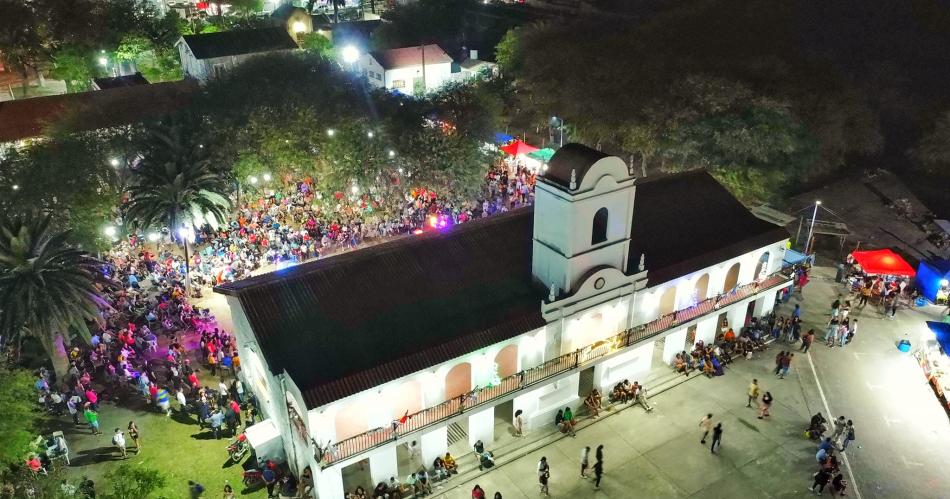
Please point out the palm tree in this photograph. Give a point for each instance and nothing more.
(48, 289)
(174, 184)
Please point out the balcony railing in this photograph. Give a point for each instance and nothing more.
(529, 377)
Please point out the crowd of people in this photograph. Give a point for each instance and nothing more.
(296, 222)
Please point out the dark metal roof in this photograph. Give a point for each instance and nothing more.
(686, 222)
(120, 81)
(26, 118)
(572, 157)
(348, 323)
(411, 56)
(238, 42)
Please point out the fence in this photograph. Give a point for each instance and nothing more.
(535, 375)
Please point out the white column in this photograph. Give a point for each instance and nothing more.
(627, 365)
(329, 482)
(527, 402)
(674, 344)
(434, 444)
(736, 315)
(433, 388)
(382, 463)
(706, 329)
(764, 303)
(481, 426)
(382, 415)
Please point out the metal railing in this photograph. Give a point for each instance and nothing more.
(363, 442)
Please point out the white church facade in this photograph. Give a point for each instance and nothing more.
(503, 313)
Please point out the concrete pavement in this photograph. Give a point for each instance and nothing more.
(903, 435)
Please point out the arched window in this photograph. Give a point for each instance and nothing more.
(598, 233)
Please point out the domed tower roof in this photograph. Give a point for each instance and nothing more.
(569, 165)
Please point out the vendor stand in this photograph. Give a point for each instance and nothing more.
(933, 280)
(881, 268)
(934, 361)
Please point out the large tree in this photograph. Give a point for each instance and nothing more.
(18, 405)
(175, 182)
(48, 288)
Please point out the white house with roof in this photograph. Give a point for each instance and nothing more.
(605, 277)
(404, 69)
(206, 55)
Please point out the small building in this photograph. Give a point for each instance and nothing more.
(207, 55)
(402, 69)
(132, 80)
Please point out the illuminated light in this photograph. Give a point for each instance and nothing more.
(252, 179)
(544, 167)
(109, 231)
(201, 146)
(187, 233)
(818, 203)
(331, 132)
(392, 153)
(350, 54)
(16, 187)
(417, 231)
(400, 170)
(153, 236)
(944, 283)
(369, 134)
(267, 177)
(433, 221)
(319, 196)
(299, 27)
(103, 61)
(355, 189)
(114, 162)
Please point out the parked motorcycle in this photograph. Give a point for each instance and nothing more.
(238, 447)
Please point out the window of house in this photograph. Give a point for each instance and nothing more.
(399, 83)
(217, 70)
(599, 227)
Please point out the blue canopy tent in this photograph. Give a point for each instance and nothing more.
(942, 331)
(793, 257)
(503, 138)
(933, 278)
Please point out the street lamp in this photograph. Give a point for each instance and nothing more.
(369, 134)
(16, 187)
(153, 236)
(114, 162)
(331, 132)
(350, 54)
(355, 189)
(252, 179)
(267, 177)
(392, 154)
(811, 230)
(560, 127)
(109, 231)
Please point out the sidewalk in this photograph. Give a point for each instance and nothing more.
(658, 454)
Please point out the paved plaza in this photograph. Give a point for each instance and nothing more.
(903, 435)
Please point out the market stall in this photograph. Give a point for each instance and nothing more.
(934, 360)
(883, 271)
(933, 280)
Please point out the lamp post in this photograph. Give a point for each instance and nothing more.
(560, 127)
(187, 235)
(811, 229)
(350, 55)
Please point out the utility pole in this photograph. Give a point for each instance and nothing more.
(424, 87)
(811, 230)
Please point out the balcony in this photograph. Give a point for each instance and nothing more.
(530, 378)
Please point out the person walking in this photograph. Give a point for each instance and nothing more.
(92, 417)
(544, 474)
(118, 440)
(598, 473)
(807, 340)
(585, 461)
(765, 405)
(133, 430)
(848, 435)
(72, 404)
(705, 424)
(216, 420)
(778, 361)
(753, 392)
(840, 425)
(519, 423)
(821, 479)
(786, 365)
(717, 438)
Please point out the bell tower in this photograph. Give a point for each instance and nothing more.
(582, 217)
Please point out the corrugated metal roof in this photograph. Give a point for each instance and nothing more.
(351, 322)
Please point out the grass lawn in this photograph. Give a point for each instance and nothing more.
(172, 445)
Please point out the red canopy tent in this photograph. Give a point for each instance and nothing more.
(883, 262)
(518, 147)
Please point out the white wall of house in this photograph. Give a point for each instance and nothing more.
(402, 79)
(206, 69)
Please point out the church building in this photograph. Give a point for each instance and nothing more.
(606, 277)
